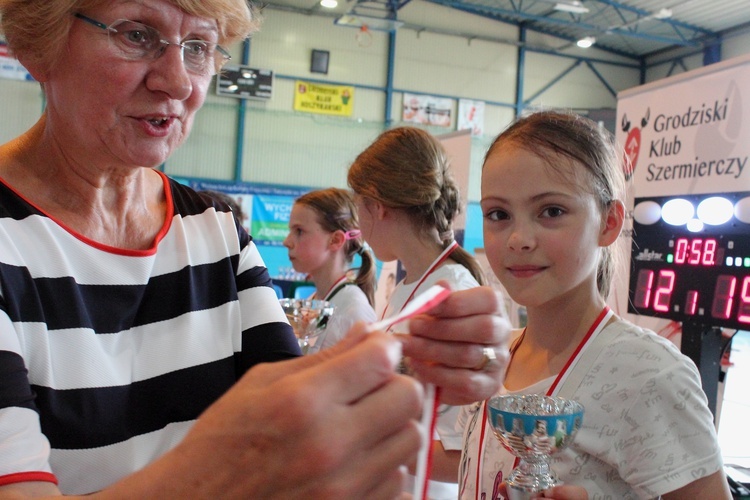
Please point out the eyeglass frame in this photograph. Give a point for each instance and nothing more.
(225, 55)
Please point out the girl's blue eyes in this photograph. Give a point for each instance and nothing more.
(549, 212)
(495, 215)
(553, 212)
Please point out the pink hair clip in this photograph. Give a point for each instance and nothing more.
(354, 233)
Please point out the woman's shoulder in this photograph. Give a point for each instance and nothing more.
(186, 200)
(13, 205)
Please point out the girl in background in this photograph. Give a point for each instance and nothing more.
(551, 201)
(323, 239)
(407, 201)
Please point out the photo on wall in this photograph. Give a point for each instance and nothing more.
(427, 110)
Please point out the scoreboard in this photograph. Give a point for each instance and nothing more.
(697, 268)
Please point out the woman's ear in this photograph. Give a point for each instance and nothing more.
(614, 218)
(33, 66)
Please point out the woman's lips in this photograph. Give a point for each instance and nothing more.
(157, 126)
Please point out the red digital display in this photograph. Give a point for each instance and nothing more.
(724, 292)
(700, 277)
(664, 289)
(695, 252)
(726, 295)
(743, 314)
(643, 288)
(691, 302)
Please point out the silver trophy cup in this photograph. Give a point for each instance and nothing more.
(533, 427)
(308, 318)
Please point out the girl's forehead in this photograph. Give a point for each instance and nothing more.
(303, 213)
(537, 161)
(513, 171)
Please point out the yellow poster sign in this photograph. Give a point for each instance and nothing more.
(323, 99)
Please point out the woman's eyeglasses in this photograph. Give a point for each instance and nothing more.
(135, 41)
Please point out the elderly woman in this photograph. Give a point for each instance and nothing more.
(133, 311)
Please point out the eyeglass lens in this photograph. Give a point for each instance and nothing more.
(136, 41)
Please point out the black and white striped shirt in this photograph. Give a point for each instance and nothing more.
(107, 356)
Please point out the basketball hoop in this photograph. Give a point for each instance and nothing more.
(364, 37)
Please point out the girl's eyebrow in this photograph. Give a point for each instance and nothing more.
(535, 198)
(490, 199)
(552, 194)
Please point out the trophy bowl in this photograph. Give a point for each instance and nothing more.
(308, 318)
(533, 427)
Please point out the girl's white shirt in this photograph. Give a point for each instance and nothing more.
(647, 429)
(350, 306)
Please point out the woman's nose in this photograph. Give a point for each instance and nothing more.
(170, 75)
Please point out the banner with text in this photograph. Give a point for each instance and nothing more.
(335, 100)
(682, 137)
(267, 207)
(687, 134)
(270, 219)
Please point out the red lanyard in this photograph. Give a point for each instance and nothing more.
(595, 328)
(440, 259)
(421, 489)
(329, 295)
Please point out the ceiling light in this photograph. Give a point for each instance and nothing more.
(586, 42)
(329, 4)
(663, 14)
(572, 7)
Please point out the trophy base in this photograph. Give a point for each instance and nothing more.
(524, 488)
(516, 493)
(519, 494)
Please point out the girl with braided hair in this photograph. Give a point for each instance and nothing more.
(407, 201)
(323, 239)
